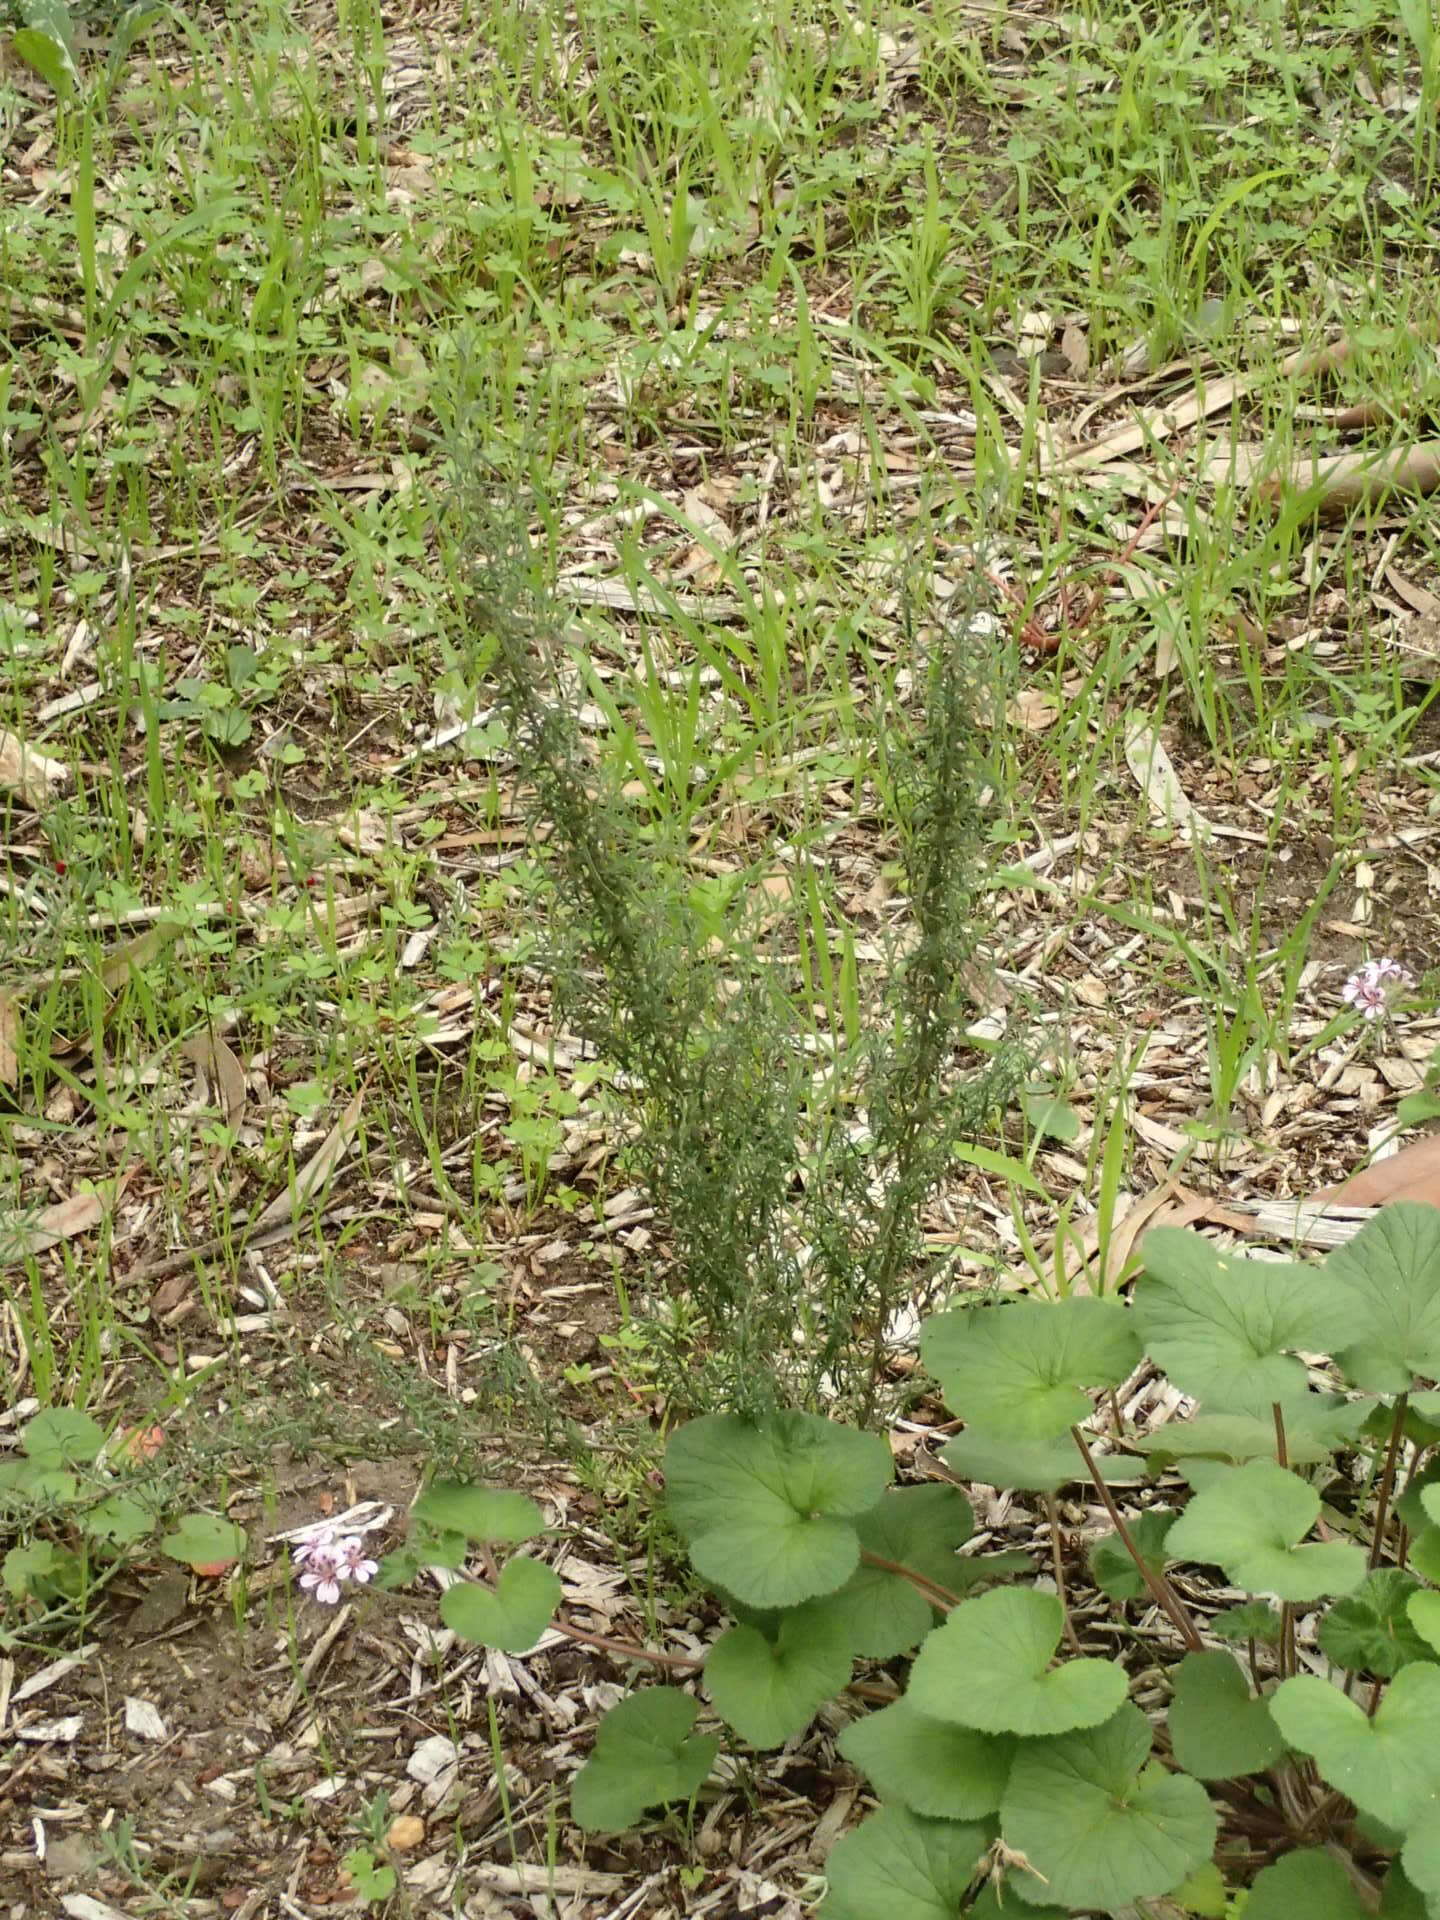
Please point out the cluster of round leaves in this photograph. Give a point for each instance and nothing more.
(1000, 1748)
(74, 1505)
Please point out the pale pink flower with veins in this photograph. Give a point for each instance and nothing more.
(1371, 987)
(329, 1559)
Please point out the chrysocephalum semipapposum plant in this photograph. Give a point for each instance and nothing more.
(1296, 1755)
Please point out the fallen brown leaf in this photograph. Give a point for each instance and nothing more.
(215, 1058)
(1334, 486)
(117, 966)
(1411, 1174)
(22, 1233)
(316, 1171)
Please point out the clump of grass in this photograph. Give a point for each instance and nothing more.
(793, 1168)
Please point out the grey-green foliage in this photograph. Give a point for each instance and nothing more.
(794, 1197)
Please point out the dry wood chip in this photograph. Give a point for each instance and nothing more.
(28, 772)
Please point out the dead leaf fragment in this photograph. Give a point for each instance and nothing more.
(1411, 1174)
(136, 954)
(9, 1040)
(1157, 779)
(317, 1170)
(215, 1058)
(1335, 486)
(31, 774)
(25, 1233)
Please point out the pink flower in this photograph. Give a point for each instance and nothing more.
(353, 1562)
(323, 1571)
(329, 1559)
(1370, 988)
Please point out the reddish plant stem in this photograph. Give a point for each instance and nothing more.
(930, 1590)
(1387, 1478)
(1282, 1450)
(1161, 1591)
(1057, 1564)
(628, 1649)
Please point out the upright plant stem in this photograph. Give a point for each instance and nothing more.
(1163, 1594)
(1387, 1478)
(1057, 1564)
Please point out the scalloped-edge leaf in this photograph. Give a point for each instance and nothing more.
(1311, 1882)
(1388, 1764)
(201, 1540)
(768, 1508)
(1033, 1466)
(1388, 1272)
(1098, 1826)
(903, 1867)
(1226, 1327)
(769, 1690)
(1314, 1428)
(1218, 1731)
(492, 1514)
(1251, 1521)
(62, 1437)
(1112, 1568)
(1028, 1369)
(988, 1667)
(513, 1614)
(645, 1755)
(1399, 1900)
(934, 1767)
(916, 1527)
(1423, 1609)
(1370, 1631)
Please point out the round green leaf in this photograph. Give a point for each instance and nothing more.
(1111, 1566)
(1225, 1327)
(1217, 1730)
(1203, 1892)
(915, 1527)
(769, 1690)
(903, 1867)
(62, 1437)
(645, 1755)
(1370, 1631)
(1387, 1273)
(768, 1508)
(1036, 1466)
(1311, 1882)
(492, 1514)
(512, 1615)
(990, 1905)
(1387, 1765)
(931, 1766)
(1025, 1369)
(1430, 1503)
(202, 1540)
(1423, 1609)
(1410, 1505)
(1399, 1900)
(1098, 1826)
(120, 1519)
(1250, 1521)
(1256, 1620)
(988, 1667)
(1421, 1855)
(1314, 1428)
(1425, 1554)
